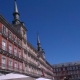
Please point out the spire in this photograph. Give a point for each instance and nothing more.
(38, 40)
(15, 7)
(39, 49)
(38, 43)
(16, 14)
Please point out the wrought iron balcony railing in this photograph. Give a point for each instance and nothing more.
(10, 37)
(10, 52)
(30, 61)
(6, 67)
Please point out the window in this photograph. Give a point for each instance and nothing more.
(10, 49)
(29, 56)
(3, 62)
(70, 72)
(15, 65)
(77, 72)
(15, 51)
(64, 73)
(70, 68)
(73, 76)
(15, 38)
(64, 69)
(19, 41)
(10, 34)
(3, 44)
(5, 30)
(54, 70)
(19, 54)
(10, 63)
(76, 76)
(59, 69)
(29, 68)
(20, 66)
(67, 68)
(74, 68)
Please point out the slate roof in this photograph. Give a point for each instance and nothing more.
(66, 64)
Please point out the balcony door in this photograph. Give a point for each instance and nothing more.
(10, 49)
(4, 45)
(15, 51)
(15, 66)
(10, 64)
(3, 62)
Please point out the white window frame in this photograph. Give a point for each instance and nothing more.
(10, 34)
(64, 69)
(10, 63)
(4, 63)
(15, 65)
(20, 66)
(19, 54)
(4, 29)
(15, 51)
(4, 44)
(15, 38)
(10, 48)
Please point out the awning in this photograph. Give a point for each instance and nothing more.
(12, 76)
(42, 79)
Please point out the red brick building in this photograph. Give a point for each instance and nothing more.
(11, 55)
(69, 70)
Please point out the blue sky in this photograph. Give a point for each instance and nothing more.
(58, 24)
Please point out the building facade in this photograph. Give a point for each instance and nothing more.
(17, 54)
(69, 70)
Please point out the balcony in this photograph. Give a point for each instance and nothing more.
(30, 62)
(8, 68)
(15, 42)
(4, 33)
(48, 73)
(10, 38)
(30, 73)
(19, 44)
(10, 53)
(3, 66)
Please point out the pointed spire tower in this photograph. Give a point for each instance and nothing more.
(16, 14)
(38, 43)
(39, 49)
